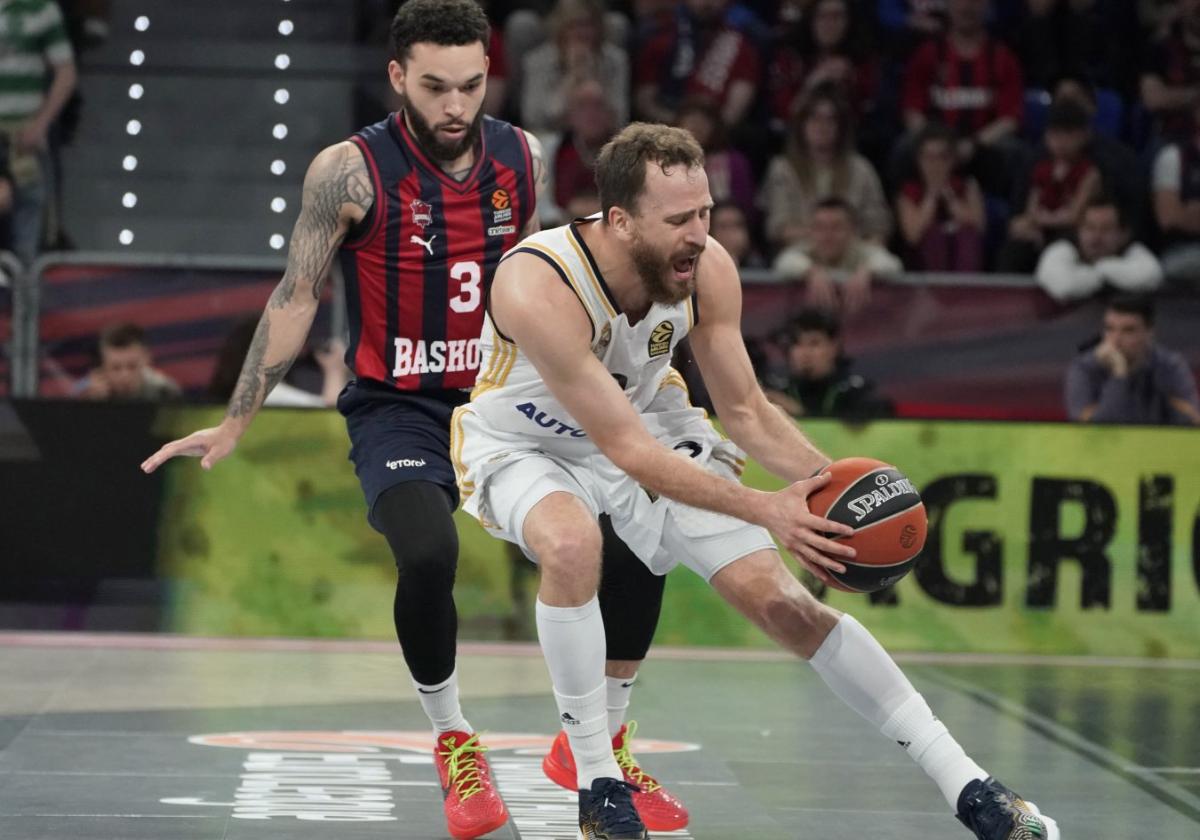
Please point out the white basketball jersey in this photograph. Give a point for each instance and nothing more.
(510, 396)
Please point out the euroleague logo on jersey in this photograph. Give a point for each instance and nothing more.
(502, 206)
(660, 339)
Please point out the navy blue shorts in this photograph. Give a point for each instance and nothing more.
(398, 436)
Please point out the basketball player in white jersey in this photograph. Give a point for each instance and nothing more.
(577, 412)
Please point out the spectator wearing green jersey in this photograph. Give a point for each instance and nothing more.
(33, 47)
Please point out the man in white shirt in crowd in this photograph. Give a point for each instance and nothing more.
(1103, 254)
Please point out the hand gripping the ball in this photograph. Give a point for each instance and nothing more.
(805, 534)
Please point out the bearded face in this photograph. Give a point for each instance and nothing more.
(668, 277)
(460, 137)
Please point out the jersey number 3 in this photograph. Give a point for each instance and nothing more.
(470, 286)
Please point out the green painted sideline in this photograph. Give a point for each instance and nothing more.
(274, 541)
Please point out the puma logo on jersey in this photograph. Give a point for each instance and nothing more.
(427, 245)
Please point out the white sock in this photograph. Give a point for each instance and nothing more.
(860, 672)
(573, 643)
(619, 689)
(440, 703)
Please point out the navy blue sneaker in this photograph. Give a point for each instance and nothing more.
(606, 812)
(994, 812)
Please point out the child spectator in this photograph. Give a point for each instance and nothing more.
(941, 213)
(730, 177)
(820, 162)
(820, 379)
(1062, 184)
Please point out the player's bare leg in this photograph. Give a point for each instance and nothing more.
(859, 671)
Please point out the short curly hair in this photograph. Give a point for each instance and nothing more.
(621, 164)
(447, 23)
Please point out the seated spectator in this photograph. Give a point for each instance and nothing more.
(820, 162)
(1170, 83)
(328, 357)
(972, 83)
(706, 52)
(590, 123)
(575, 51)
(125, 371)
(820, 380)
(825, 48)
(1104, 256)
(727, 224)
(836, 258)
(1062, 184)
(1176, 185)
(941, 214)
(1126, 377)
(729, 175)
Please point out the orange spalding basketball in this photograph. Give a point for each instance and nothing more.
(886, 513)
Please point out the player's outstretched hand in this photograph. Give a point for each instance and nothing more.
(209, 445)
(803, 533)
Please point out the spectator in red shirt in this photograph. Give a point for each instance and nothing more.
(1062, 184)
(941, 213)
(699, 54)
(972, 83)
(1171, 79)
(824, 46)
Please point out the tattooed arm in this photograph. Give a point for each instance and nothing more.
(541, 177)
(337, 194)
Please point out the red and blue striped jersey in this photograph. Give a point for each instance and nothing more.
(418, 267)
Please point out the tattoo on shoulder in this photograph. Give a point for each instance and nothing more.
(337, 180)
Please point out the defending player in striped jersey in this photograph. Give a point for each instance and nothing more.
(577, 413)
(420, 207)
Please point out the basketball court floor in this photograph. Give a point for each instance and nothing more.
(168, 738)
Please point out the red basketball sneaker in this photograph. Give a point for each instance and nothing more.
(473, 807)
(659, 809)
